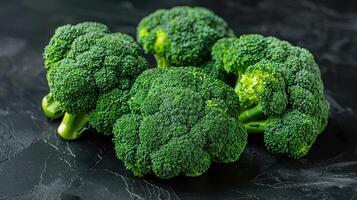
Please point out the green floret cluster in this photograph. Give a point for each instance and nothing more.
(181, 36)
(181, 120)
(210, 90)
(90, 72)
(280, 91)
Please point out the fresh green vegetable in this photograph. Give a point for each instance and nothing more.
(181, 36)
(90, 72)
(280, 91)
(181, 120)
(51, 108)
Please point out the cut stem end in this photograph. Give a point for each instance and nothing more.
(51, 108)
(72, 126)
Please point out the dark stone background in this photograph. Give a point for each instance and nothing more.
(36, 164)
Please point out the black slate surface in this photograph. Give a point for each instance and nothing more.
(36, 164)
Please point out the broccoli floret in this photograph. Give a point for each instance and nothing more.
(181, 121)
(235, 55)
(280, 90)
(73, 87)
(261, 92)
(109, 108)
(181, 36)
(293, 134)
(90, 72)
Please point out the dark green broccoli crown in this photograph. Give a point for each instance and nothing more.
(74, 88)
(181, 36)
(293, 134)
(61, 42)
(85, 61)
(300, 90)
(109, 108)
(181, 121)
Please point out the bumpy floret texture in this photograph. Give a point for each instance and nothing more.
(109, 108)
(280, 81)
(181, 36)
(262, 85)
(181, 120)
(86, 61)
(292, 134)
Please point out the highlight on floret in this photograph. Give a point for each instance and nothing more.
(181, 36)
(280, 91)
(90, 72)
(181, 121)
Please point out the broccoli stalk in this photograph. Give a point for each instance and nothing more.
(254, 119)
(256, 126)
(161, 42)
(239, 73)
(72, 126)
(51, 108)
(251, 113)
(161, 61)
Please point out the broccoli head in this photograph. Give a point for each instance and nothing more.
(90, 72)
(280, 90)
(181, 121)
(181, 36)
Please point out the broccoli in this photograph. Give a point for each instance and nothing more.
(279, 88)
(181, 36)
(51, 108)
(90, 72)
(181, 120)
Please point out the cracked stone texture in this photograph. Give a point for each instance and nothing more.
(36, 164)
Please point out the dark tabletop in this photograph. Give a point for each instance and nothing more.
(36, 164)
